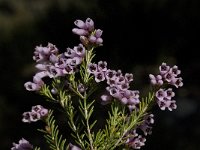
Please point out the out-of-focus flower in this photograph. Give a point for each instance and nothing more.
(37, 112)
(22, 145)
(73, 147)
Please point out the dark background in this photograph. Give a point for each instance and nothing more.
(138, 36)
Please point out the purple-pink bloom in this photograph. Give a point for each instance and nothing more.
(98, 33)
(70, 53)
(26, 117)
(40, 110)
(169, 77)
(124, 100)
(54, 91)
(81, 32)
(106, 98)
(22, 145)
(37, 78)
(99, 76)
(73, 147)
(164, 99)
(53, 58)
(129, 77)
(30, 86)
(92, 68)
(34, 116)
(146, 129)
(123, 86)
(131, 107)
(92, 39)
(131, 96)
(80, 24)
(118, 73)
(161, 94)
(89, 24)
(42, 54)
(149, 119)
(146, 126)
(43, 112)
(37, 112)
(169, 104)
(68, 69)
(156, 80)
(136, 142)
(37, 82)
(111, 82)
(175, 70)
(36, 108)
(55, 72)
(61, 63)
(177, 82)
(88, 35)
(80, 50)
(110, 74)
(118, 84)
(41, 67)
(99, 41)
(114, 92)
(164, 68)
(102, 66)
(120, 80)
(81, 88)
(169, 93)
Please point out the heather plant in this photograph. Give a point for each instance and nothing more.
(71, 79)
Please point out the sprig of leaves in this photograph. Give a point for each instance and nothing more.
(136, 118)
(71, 112)
(114, 127)
(51, 134)
(45, 91)
(86, 110)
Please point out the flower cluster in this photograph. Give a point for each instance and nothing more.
(89, 36)
(135, 140)
(72, 76)
(23, 145)
(146, 125)
(37, 112)
(51, 64)
(164, 99)
(167, 76)
(118, 84)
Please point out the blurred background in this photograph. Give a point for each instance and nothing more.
(138, 37)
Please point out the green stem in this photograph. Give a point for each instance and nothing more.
(77, 92)
(88, 59)
(74, 128)
(52, 133)
(66, 103)
(87, 124)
